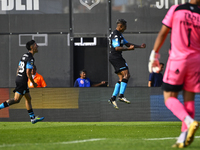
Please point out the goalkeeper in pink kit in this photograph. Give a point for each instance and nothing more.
(183, 65)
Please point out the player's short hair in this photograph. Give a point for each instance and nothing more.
(121, 21)
(29, 44)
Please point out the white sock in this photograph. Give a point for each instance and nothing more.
(188, 120)
(181, 137)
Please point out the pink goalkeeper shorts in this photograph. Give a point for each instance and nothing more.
(184, 72)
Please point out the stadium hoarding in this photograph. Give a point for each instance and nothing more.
(91, 105)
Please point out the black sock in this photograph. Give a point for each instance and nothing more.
(6, 104)
(121, 95)
(31, 113)
(113, 98)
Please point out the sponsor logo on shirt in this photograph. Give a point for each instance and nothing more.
(177, 71)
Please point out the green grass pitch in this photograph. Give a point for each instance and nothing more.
(91, 136)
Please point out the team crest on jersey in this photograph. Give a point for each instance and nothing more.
(31, 61)
(89, 3)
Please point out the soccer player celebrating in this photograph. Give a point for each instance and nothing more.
(23, 74)
(183, 69)
(116, 42)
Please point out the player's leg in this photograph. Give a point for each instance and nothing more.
(112, 100)
(173, 83)
(189, 106)
(125, 77)
(10, 102)
(191, 86)
(178, 109)
(117, 87)
(29, 105)
(19, 92)
(173, 104)
(189, 127)
(116, 91)
(116, 63)
(30, 110)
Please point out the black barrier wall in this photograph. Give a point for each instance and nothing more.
(55, 24)
(91, 104)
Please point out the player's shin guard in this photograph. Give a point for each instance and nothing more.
(190, 108)
(123, 86)
(117, 88)
(176, 108)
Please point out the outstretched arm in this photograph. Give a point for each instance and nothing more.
(131, 47)
(136, 46)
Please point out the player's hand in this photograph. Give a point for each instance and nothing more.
(131, 47)
(35, 85)
(154, 61)
(143, 45)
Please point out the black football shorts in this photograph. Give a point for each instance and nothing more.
(21, 88)
(119, 64)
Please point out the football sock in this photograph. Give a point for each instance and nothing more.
(176, 108)
(181, 137)
(116, 90)
(123, 87)
(188, 120)
(4, 105)
(113, 98)
(31, 113)
(190, 108)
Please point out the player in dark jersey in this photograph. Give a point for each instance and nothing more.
(116, 42)
(23, 74)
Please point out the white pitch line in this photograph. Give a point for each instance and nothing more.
(157, 139)
(79, 141)
(167, 138)
(69, 142)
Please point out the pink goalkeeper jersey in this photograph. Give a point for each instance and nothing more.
(184, 20)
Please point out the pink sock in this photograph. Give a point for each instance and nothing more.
(189, 107)
(176, 108)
